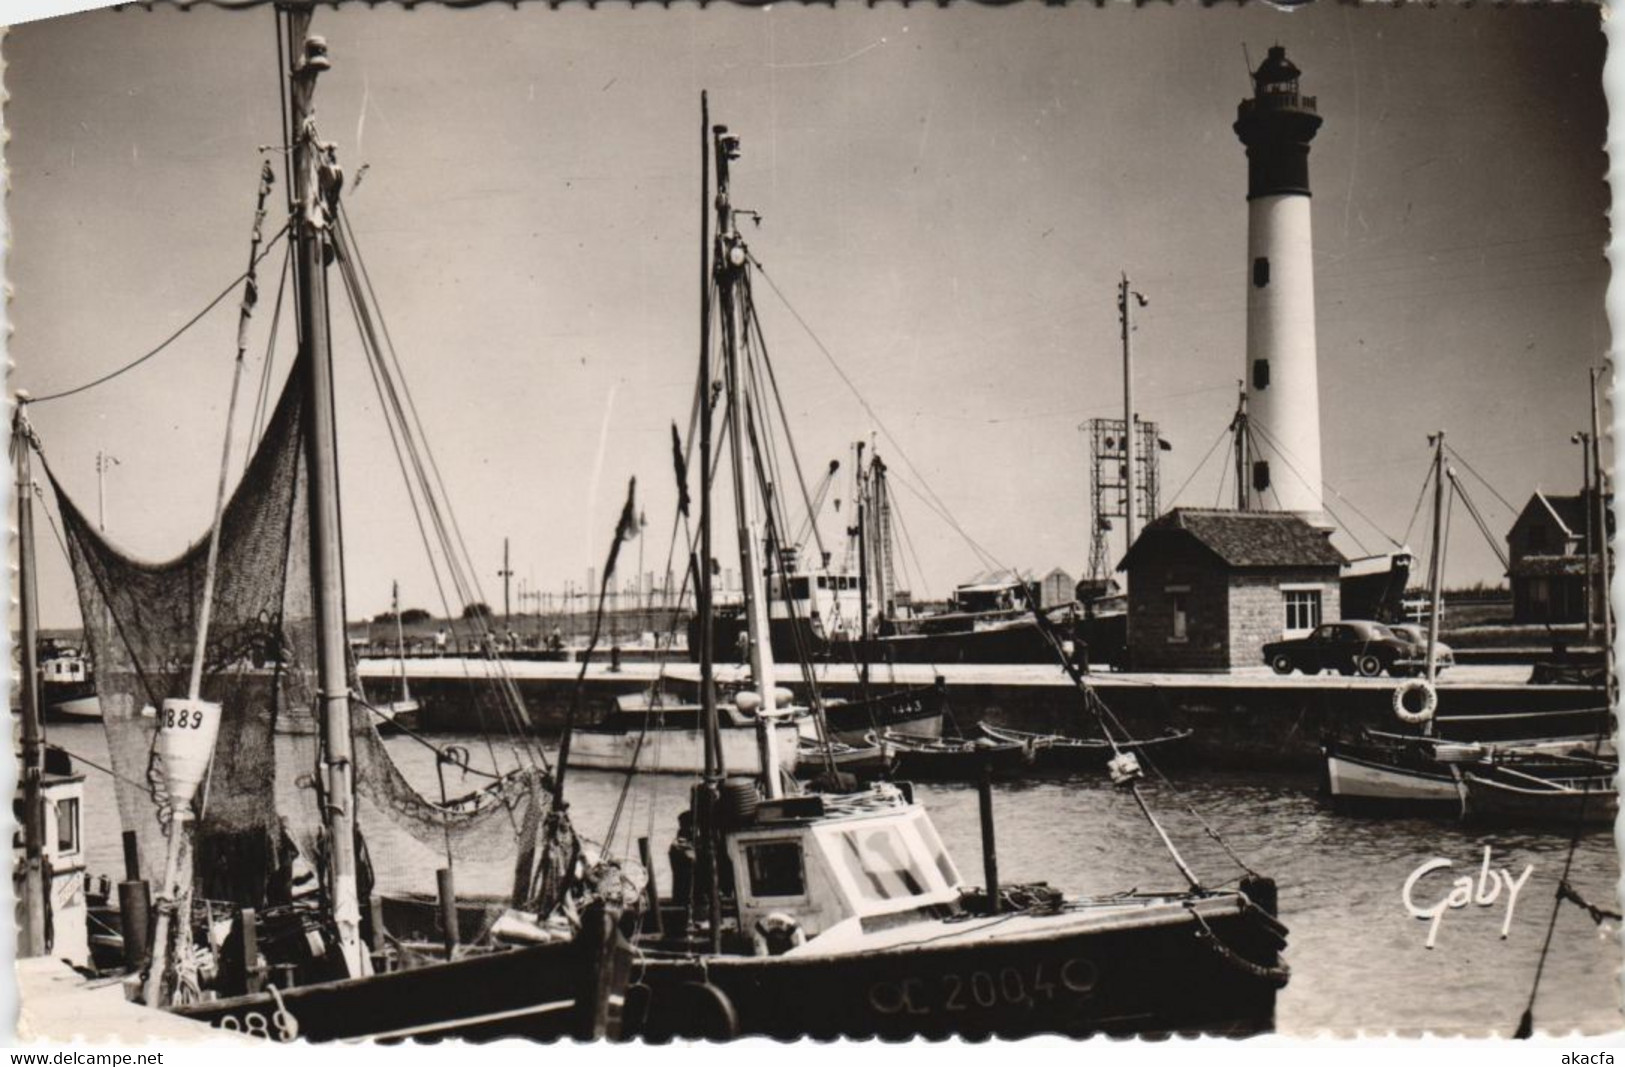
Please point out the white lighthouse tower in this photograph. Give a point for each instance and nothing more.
(1283, 393)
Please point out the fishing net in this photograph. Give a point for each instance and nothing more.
(262, 798)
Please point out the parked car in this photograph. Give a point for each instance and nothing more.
(1418, 635)
(1347, 647)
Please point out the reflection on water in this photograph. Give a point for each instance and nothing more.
(1357, 956)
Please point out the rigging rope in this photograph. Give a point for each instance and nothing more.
(166, 342)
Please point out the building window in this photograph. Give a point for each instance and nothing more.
(67, 826)
(1302, 609)
(1181, 605)
(1261, 272)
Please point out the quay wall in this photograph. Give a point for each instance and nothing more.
(1256, 723)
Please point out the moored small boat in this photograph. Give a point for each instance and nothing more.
(1507, 793)
(1060, 751)
(953, 759)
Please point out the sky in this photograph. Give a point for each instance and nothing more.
(948, 197)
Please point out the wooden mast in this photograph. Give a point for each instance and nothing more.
(1436, 577)
(313, 244)
(1601, 543)
(730, 265)
(31, 932)
(705, 841)
(863, 574)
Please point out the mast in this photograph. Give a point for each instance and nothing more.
(863, 573)
(1601, 544)
(1128, 411)
(400, 636)
(315, 192)
(730, 265)
(1239, 426)
(1436, 578)
(705, 843)
(31, 932)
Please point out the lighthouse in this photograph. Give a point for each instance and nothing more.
(1283, 395)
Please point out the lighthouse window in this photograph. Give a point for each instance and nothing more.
(1261, 475)
(1261, 272)
(1261, 374)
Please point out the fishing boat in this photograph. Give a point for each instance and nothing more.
(67, 685)
(947, 759)
(1389, 772)
(656, 733)
(841, 914)
(1060, 751)
(261, 918)
(1515, 792)
(863, 762)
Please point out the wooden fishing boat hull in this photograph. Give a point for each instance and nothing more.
(674, 749)
(1592, 801)
(1056, 752)
(915, 712)
(537, 992)
(1375, 781)
(1136, 968)
(865, 762)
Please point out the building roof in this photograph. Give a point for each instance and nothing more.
(1568, 511)
(1241, 539)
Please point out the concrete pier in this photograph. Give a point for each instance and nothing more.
(1252, 719)
(59, 1005)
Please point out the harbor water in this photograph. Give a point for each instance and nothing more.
(1359, 959)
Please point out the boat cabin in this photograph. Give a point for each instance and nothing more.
(64, 856)
(830, 601)
(65, 668)
(824, 869)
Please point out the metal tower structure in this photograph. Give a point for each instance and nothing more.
(1108, 482)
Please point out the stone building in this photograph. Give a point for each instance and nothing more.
(1208, 588)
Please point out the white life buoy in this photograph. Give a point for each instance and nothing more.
(1430, 701)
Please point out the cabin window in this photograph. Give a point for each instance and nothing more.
(1302, 609)
(823, 582)
(880, 864)
(799, 588)
(776, 869)
(67, 826)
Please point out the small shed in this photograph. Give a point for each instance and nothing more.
(1208, 588)
(1057, 589)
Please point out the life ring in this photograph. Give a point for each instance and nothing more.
(1430, 701)
(776, 934)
